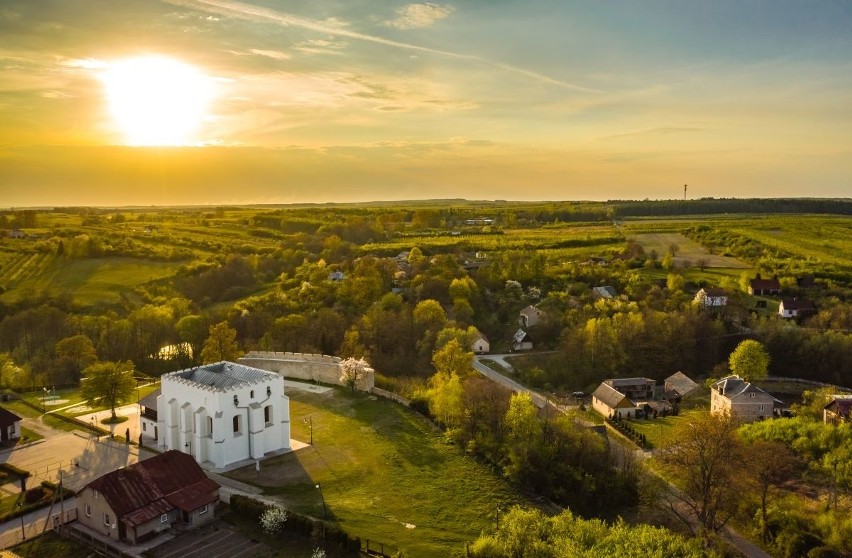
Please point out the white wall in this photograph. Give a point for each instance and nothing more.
(186, 410)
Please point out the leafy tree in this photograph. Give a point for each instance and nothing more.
(352, 346)
(769, 465)
(76, 353)
(525, 533)
(352, 370)
(453, 358)
(108, 383)
(221, 344)
(445, 398)
(523, 436)
(193, 329)
(750, 360)
(707, 465)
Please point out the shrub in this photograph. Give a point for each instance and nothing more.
(33, 495)
(272, 520)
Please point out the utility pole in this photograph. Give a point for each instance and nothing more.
(684, 192)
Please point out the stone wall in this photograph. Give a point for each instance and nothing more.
(303, 366)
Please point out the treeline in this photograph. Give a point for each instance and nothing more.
(714, 206)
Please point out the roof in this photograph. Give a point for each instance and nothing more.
(222, 376)
(7, 417)
(714, 291)
(519, 336)
(732, 386)
(797, 304)
(681, 383)
(629, 382)
(530, 311)
(605, 292)
(610, 396)
(765, 284)
(152, 487)
(842, 405)
(150, 400)
(479, 335)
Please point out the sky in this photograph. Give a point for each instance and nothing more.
(116, 102)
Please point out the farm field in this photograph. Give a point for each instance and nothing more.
(689, 253)
(386, 475)
(89, 281)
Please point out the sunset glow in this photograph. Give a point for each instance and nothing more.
(156, 100)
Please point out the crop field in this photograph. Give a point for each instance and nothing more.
(386, 475)
(688, 253)
(89, 281)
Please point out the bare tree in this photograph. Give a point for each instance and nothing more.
(706, 464)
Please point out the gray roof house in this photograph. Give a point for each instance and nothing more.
(679, 385)
(742, 399)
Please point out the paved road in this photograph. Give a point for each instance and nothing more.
(539, 400)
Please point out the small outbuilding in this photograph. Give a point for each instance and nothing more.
(480, 344)
(10, 426)
(679, 385)
(838, 410)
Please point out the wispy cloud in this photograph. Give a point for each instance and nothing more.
(661, 131)
(414, 16)
(338, 28)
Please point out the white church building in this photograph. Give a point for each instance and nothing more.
(223, 413)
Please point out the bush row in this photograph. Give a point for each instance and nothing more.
(298, 523)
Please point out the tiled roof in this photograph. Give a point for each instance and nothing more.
(681, 383)
(765, 284)
(150, 400)
(223, 375)
(796, 304)
(152, 487)
(610, 396)
(731, 386)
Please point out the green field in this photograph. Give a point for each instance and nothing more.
(386, 475)
(688, 253)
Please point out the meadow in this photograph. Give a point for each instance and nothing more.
(386, 475)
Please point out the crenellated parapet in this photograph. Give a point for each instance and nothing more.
(304, 366)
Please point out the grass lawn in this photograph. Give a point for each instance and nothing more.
(51, 544)
(688, 252)
(23, 410)
(661, 428)
(385, 473)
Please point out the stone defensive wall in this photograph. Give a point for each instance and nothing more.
(303, 366)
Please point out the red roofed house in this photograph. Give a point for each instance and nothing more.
(794, 308)
(135, 503)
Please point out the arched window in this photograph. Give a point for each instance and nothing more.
(267, 415)
(237, 425)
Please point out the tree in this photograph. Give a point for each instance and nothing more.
(352, 370)
(523, 436)
(706, 464)
(193, 329)
(452, 358)
(770, 464)
(76, 353)
(221, 344)
(750, 360)
(108, 383)
(445, 398)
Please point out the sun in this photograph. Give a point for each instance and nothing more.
(157, 100)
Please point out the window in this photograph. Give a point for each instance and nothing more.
(210, 426)
(752, 394)
(106, 519)
(203, 510)
(761, 408)
(251, 394)
(267, 415)
(88, 510)
(144, 427)
(164, 518)
(236, 424)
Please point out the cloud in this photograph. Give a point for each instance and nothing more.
(274, 54)
(336, 28)
(414, 16)
(661, 131)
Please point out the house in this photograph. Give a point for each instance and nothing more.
(336, 276)
(678, 385)
(480, 344)
(763, 287)
(16, 233)
(711, 297)
(521, 341)
(741, 399)
(223, 413)
(610, 402)
(838, 410)
(529, 316)
(148, 430)
(637, 389)
(135, 503)
(10, 426)
(795, 308)
(604, 292)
